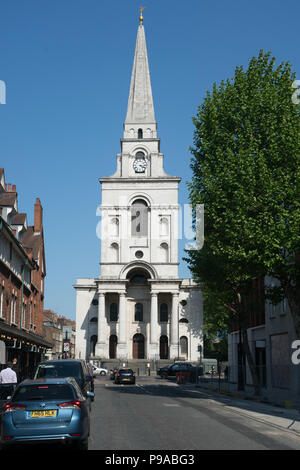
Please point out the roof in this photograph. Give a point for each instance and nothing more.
(62, 380)
(8, 199)
(32, 241)
(18, 219)
(140, 103)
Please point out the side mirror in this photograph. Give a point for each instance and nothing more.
(90, 395)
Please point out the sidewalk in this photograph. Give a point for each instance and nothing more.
(254, 408)
(278, 399)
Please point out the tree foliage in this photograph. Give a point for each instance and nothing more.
(246, 172)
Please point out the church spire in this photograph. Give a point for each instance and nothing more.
(140, 108)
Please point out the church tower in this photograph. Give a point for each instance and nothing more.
(138, 308)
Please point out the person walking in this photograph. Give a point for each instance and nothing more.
(8, 381)
(16, 368)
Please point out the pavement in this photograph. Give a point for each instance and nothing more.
(274, 414)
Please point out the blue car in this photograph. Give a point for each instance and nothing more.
(46, 410)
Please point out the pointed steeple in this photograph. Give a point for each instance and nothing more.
(140, 108)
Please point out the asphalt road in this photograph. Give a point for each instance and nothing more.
(156, 414)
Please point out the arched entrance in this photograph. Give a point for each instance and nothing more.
(184, 346)
(113, 341)
(93, 342)
(138, 347)
(163, 347)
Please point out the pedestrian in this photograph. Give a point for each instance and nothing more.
(8, 381)
(16, 368)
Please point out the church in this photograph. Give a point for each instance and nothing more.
(139, 308)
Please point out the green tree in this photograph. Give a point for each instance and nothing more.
(246, 172)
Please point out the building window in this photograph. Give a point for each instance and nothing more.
(139, 218)
(115, 253)
(114, 227)
(138, 312)
(140, 133)
(113, 312)
(163, 313)
(164, 252)
(1, 301)
(164, 227)
(183, 345)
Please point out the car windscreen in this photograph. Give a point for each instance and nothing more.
(43, 392)
(59, 370)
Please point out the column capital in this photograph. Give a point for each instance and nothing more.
(154, 294)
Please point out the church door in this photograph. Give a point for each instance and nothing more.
(138, 347)
(163, 347)
(113, 341)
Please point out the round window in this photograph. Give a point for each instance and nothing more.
(139, 254)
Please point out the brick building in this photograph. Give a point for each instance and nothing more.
(57, 330)
(22, 274)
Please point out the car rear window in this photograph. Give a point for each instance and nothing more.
(59, 370)
(43, 392)
(126, 371)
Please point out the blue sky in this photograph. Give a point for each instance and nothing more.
(67, 67)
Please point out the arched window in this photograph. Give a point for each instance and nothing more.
(183, 346)
(139, 218)
(114, 227)
(164, 227)
(113, 312)
(140, 133)
(164, 252)
(163, 313)
(115, 252)
(138, 312)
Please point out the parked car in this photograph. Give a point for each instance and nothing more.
(125, 376)
(76, 368)
(46, 410)
(171, 369)
(113, 373)
(99, 370)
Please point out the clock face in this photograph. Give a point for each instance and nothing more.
(139, 165)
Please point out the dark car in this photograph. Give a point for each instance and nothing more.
(76, 368)
(125, 376)
(46, 410)
(171, 369)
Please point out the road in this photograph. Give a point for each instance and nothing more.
(156, 414)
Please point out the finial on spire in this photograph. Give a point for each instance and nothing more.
(141, 14)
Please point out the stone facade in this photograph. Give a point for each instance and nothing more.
(139, 308)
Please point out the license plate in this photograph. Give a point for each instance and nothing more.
(126, 379)
(42, 414)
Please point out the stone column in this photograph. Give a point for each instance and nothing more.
(153, 344)
(101, 346)
(174, 350)
(122, 342)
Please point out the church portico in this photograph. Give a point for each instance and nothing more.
(143, 310)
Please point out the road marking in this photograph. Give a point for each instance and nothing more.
(171, 404)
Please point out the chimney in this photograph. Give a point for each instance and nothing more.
(14, 188)
(5, 186)
(38, 216)
(9, 188)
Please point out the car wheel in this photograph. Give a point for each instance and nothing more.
(102, 372)
(164, 375)
(82, 444)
